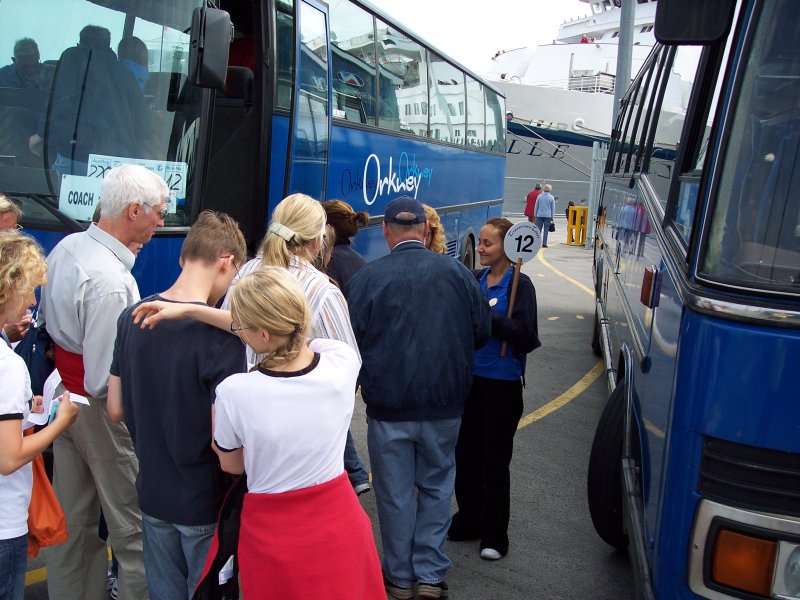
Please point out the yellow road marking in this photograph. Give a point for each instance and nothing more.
(36, 576)
(540, 258)
(577, 389)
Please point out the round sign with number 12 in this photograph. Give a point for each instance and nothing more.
(522, 241)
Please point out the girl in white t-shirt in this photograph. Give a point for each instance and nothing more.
(303, 531)
(22, 270)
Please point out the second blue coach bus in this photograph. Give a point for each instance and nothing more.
(695, 464)
(335, 100)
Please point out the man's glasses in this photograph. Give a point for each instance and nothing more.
(161, 212)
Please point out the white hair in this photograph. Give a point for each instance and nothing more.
(126, 184)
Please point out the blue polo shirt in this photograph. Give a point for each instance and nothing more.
(487, 359)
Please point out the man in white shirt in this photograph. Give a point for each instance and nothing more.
(89, 285)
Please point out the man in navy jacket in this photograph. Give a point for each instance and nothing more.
(417, 316)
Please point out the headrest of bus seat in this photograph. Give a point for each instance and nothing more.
(239, 84)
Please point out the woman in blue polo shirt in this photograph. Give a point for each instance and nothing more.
(494, 406)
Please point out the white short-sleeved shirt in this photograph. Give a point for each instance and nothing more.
(292, 425)
(15, 489)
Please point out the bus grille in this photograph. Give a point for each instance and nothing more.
(749, 477)
(451, 247)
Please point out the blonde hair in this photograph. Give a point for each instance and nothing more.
(547, 187)
(437, 242)
(7, 205)
(22, 268)
(296, 222)
(270, 298)
(325, 251)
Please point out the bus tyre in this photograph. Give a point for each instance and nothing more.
(604, 481)
(596, 348)
(468, 255)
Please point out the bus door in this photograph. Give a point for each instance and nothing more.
(310, 126)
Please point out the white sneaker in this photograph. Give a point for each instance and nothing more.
(490, 554)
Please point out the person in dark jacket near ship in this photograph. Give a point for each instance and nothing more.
(345, 262)
(417, 316)
(494, 406)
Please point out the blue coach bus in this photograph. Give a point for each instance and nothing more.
(334, 100)
(695, 464)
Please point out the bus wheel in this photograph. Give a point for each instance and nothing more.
(468, 256)
(596, 348)
(604, 481)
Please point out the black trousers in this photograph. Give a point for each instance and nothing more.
(483, 455)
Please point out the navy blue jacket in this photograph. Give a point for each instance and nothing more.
(417, 316)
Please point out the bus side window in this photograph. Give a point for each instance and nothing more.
(669, 123)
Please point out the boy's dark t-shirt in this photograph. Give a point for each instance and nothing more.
(169, 375)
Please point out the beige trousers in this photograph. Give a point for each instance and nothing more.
(95, 467)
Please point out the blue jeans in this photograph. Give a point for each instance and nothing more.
(13, 563)
(544, 227)
(174, 556)
(407, 455)
(356, 472)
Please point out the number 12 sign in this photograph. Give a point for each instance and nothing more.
(522, 241)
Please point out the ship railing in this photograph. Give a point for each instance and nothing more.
(602, 83)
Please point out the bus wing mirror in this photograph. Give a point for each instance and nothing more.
(209, 46)
(692, 22)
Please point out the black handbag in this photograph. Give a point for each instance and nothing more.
(33, 348)
(552, 226)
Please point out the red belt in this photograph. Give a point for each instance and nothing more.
(70, 367)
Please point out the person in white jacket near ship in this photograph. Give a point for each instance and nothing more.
(545, 211)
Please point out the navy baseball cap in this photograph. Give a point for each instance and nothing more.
(404, 211)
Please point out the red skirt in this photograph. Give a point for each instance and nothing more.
(311, 543)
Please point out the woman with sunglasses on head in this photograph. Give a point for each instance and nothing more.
(22, 270)
(494, 406)
(303, 532)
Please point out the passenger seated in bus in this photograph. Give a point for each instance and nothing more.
(132, 55)
(21, 101)
(97, 107)
(23, 72)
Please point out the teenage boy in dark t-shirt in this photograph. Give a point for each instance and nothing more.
(163, 382)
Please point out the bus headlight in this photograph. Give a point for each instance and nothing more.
(787, 578)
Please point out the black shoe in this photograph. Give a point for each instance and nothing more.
(545, 246)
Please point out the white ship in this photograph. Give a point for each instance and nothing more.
(559, 99)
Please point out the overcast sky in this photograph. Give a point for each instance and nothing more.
(471, 32)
